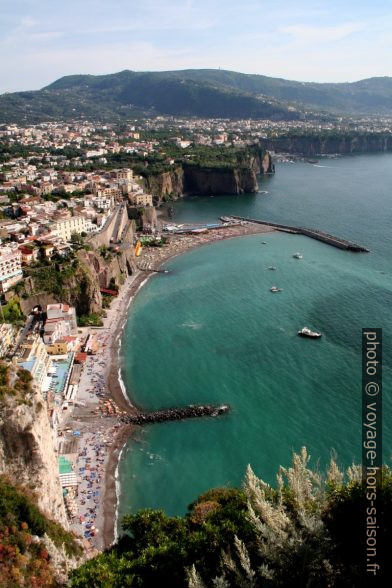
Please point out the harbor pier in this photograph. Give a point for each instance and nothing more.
(312, 233)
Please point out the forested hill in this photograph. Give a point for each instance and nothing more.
(127, 93)
(202, 93)
(371, 96)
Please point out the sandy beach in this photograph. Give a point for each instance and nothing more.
(100, 398)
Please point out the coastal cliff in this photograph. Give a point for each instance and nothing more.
(167, 185)
(211, 177)
(217, 181)
(27, 452)
(78, 284)
(339, 143)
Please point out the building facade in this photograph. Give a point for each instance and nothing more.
(140, 199)
(60, 322)
(35, 359)
(65, 227)
(10, 267)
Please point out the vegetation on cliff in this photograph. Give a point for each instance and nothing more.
(67, 279)
(14, 383)
(315, 142)
(307, 531)
(90, 320)
(169, 172)
(169, 155)
(221, 157)
(25, 559)
(12, 313)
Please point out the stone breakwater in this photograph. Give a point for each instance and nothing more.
(175, 414)
(312, 233)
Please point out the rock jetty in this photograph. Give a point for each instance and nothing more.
(176, 414)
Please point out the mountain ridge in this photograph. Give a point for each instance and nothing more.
(205, 93)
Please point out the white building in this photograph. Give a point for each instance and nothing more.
(103, 202)
(61, 322)
(64, 227)
(10, 267)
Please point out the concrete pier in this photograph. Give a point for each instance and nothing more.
(312, 233)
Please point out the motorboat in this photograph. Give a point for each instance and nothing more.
(298, 256)
(305, 332)
(276, 289)
(271, 267)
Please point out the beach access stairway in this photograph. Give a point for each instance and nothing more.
(312, 233)
(175, 414)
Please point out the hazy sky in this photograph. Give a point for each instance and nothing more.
(307, 40)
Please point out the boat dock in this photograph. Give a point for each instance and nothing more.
(312, 233)
(186, 228)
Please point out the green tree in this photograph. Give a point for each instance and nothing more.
(298, 533)
(12, 313)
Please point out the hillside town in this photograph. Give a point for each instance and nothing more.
(64, 204)
(60, 180)
(76, 194)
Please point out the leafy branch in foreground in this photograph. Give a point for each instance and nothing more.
(305, 531)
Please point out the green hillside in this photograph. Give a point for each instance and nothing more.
(126, 93)
(202, 93)
(373, 95)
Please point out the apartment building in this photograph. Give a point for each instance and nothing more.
(64, 227)
(35, 359)
(10, 268)
(124, 174)
(140, 199)
(60, 323)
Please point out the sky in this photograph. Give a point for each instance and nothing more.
(304, 40)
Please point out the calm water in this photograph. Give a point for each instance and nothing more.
(211, 331)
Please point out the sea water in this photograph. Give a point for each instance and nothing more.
(212, 332)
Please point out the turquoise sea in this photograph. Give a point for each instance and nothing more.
(211, 331)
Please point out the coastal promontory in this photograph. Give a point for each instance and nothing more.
(210, 172)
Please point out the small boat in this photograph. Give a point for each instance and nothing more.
(305, 332)
(264, 242)
(271, 267)
(276, 289)
(298, 256)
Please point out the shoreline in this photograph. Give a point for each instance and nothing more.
(113, 328)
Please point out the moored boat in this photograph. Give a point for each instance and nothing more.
(306, 332)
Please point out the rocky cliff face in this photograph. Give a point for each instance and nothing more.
(341, 144)
(211, 180)
(82, 289)
(116, 267)
(27, 453)
(216, 181)
(166, 186)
